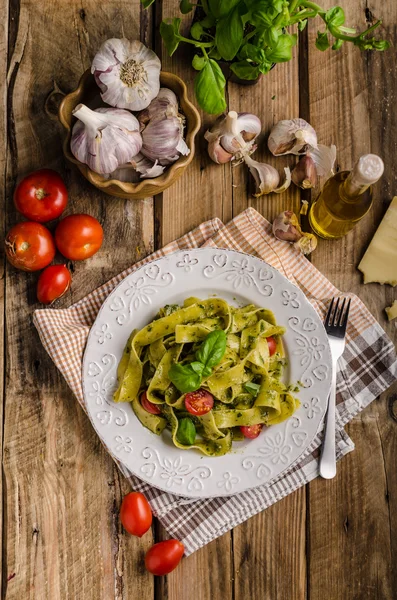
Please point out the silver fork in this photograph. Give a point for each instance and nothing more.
(335, 326)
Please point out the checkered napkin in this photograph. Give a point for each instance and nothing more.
(368, 367)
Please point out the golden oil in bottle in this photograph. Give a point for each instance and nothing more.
(345, 198)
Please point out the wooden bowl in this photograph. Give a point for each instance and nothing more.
(88, 93)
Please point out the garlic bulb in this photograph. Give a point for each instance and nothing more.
(291, 137)
(267, 178)
(105, 138)
(304, 174)
(163, 139)
(286, 228)
(232, 136)
(127, 73)
(164, 105)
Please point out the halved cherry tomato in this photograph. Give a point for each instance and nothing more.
(53, 283)
(164, 557)
(272, 344)
(136, 514)
(150, 407)
(251, 431)
(29, 246)
(199, 403)
(78, 236)
(41, 196)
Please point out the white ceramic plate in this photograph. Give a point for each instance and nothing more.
(239, 279)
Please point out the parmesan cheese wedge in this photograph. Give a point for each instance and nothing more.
(391, 311)
(379, 263)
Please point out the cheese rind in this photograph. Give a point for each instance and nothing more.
(379, 263)
(391, 311)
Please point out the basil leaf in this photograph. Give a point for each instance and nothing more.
(251, 52)
(283, 50)
(245, 70)
(170, 34)
(252, 388)
(221, 8)
(322, 42)
(337, 44)
(198, 62)
(206, 371)
(185, 6)
(196, 31)
(335, 16)
(186, 433)
(147, 3)
(229, 35)
(184, 378)
(263, 17)
(209, 88)
(271, 37)
(212, 349)
(197, 367)
(302, 24)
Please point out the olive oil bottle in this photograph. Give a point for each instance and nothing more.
(345, 198)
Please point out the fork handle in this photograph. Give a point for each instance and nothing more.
(328, 454)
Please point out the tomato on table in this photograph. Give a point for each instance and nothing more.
(272, 344)
(199, 403)
(41, 196)
(150, 407)
(164, 557)
(29, 246)
(136, 514)
(78, 236)
(251, 431)
(53, 283)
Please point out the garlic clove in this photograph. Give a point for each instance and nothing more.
(163, 140)
(164, 105)
(324, 158)
(291, 136)
(304, 174)
(286, 183)
(217, 153)
(105, 138)
(267, 177)
(307, 243)
(235, 134)
(127, 73)
(286, 228)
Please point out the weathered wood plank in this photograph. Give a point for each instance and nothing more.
(63, 538)
(352, 517)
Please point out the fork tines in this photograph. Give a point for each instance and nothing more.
(336, 319)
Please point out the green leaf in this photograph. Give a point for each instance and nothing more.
(283, 50)
(184, 378)
(209, 88)
(252, 388)
(197, 367)
(264, 16)
(337, 44)
(170, 34)
(185, 6)
(196, 31)
(208, 21)
(335, 16)
(229, 35)
(221, 8)
(302, 24)
(212, 349)
(186, 433)
(147, 3)
(198, 62)
(251, 52)
(322, 42)
(245, 70)
(215, 54)
(271, 37)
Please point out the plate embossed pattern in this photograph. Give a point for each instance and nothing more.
(240, 279)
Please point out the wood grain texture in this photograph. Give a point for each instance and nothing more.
(62, 492)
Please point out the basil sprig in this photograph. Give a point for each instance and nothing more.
(186, 433)
(187, 378)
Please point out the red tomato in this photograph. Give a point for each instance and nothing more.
(53, 283)
(164, 557)
(149, 406)
(78, 236)
(41, 196)
(135, 514)
(199, 403)
(251, 431)
(29, 246)
(271, 342)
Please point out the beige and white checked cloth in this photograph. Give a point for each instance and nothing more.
(368, 367)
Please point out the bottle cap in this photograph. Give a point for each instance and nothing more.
(368, 170)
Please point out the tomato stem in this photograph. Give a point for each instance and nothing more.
(40, 194)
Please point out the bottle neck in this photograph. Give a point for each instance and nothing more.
(367, 171)
(351, 188)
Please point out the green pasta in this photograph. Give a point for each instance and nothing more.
(219, 350)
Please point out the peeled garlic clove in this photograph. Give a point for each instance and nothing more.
(291, 136)
(127, 73)
(324, 158)
(304, 174)
(235, 133)
(266, 177)
(105, 138)
(286, 228)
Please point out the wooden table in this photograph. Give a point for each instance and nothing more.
(62, 539)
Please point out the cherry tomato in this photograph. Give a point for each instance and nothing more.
(29, 246)
(53, 283)
(149, 406)
(272, 344)
(199, 403)
(135, 514)
(251, 431)
(164, 557)
(41, 196)
(78, 236)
